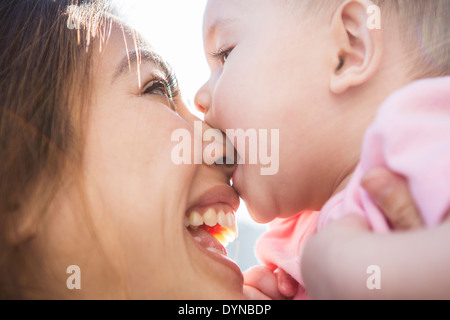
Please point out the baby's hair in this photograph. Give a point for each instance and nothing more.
(423, 27)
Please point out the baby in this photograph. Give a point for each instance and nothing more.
(318, 71)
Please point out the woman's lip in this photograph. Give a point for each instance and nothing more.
(218, 257)
(207, 241)
(219, 194)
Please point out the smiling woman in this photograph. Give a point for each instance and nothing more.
(175, 29)
(86, 117)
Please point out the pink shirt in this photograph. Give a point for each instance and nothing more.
(411, 137)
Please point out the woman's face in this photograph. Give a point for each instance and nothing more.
(138, 200)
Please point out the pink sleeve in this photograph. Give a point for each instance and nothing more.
(282, 245)
(411, 137)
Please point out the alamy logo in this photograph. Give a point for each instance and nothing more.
(374, 20)
(374, 281)
(255, 142)
(73, 23)
(74, 280)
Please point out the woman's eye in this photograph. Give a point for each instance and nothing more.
(167, 88)
(157, 87)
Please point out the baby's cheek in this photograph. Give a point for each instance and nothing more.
(225, 118)
(229, 110)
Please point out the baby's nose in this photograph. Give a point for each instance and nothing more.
(203, 99)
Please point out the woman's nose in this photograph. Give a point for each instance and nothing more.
(202, 99)
(218, 151)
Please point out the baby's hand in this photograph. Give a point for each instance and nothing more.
(261, 283)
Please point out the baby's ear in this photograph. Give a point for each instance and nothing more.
(358, 45)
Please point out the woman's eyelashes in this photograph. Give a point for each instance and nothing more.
(166, 87)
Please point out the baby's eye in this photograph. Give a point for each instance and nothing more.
(222, 55)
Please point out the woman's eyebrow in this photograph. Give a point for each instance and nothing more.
(137, 58)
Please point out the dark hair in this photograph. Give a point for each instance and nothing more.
(44, 82)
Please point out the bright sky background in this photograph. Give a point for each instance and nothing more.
(174, 29)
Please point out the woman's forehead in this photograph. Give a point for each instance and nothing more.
(126, 50)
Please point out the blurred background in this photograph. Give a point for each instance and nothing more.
(174, 29)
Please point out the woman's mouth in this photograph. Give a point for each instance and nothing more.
(212, 221)
(218, 220)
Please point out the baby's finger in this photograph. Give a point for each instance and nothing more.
(391, 193)
(251, 293)
(264, 280)
(287, 285)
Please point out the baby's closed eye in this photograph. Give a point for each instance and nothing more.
(222, 55)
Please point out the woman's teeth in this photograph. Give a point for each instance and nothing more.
(219, 224)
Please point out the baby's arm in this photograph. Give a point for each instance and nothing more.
(412, 265)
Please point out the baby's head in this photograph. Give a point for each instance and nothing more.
(314, 71)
